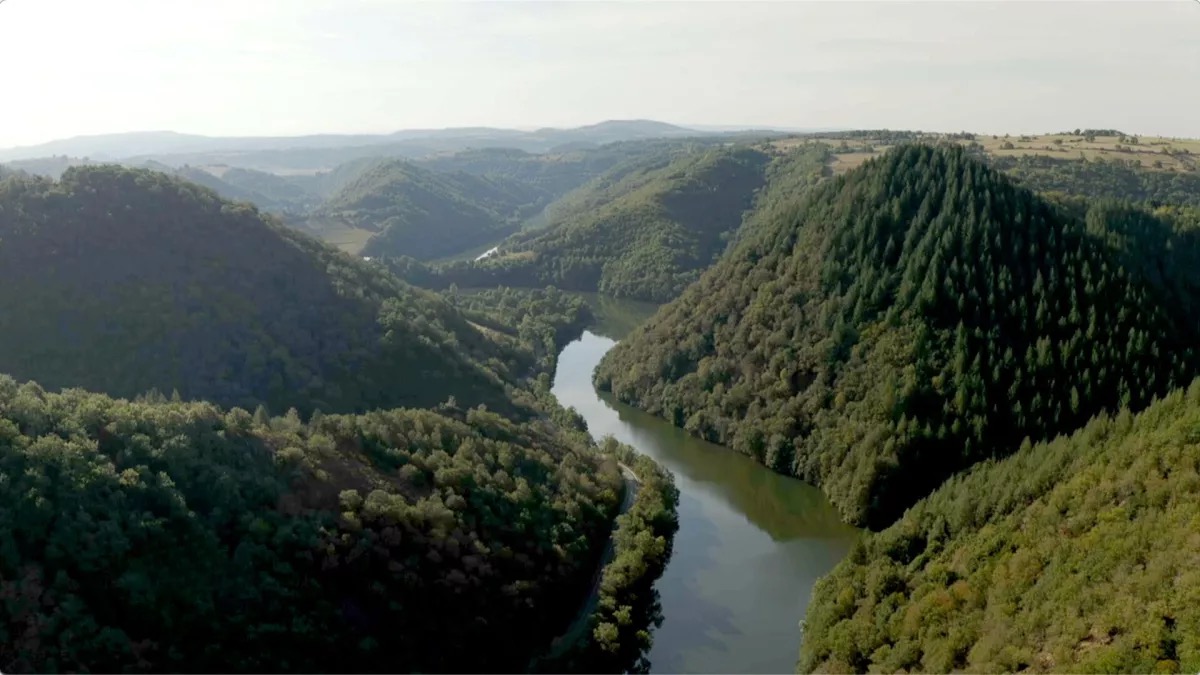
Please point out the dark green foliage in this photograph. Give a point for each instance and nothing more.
(642, 546)
(120, 281)
(542, 322)
(910, 318)
(325, 184)
(427, 215)
(277, 192)
(1074, 556)
(619, 629)
(644, 230)
(556, 172)
(1111, 179)
(789, 177)
(224, 190)
(165, 537)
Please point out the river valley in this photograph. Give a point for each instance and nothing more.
(751, 542)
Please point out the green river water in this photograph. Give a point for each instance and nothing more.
(751, 542)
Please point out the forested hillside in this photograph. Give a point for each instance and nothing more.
(556, 172)
(280, 193)
(644, 230)
(1100, 178)
(912, 317)
(1074, 556)
(122, 280)
(158, 535)
(168, 537)
(425, 214)
(225, 190)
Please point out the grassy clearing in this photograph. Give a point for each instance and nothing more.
(341, 234)
(1154, 153)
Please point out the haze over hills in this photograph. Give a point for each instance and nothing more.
(407, 337)
(328, 150)
(425, 214)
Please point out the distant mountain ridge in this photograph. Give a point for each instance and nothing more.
(408, 142)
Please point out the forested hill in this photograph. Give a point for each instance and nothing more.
(556, 172)
(122, 280)
(156, 535)
(180, 537)
(911, 317)
(425, 214)
(1074, 556)
(645, 229)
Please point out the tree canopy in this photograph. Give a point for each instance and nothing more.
(171, 536)
(121, 281)
(912, 317)
(427, 214)
(643, 230)
(1076, 555)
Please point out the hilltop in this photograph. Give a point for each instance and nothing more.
(1095, 163)
(121, 280)
(451, 522)
(425, 214)
(326, 151)
(911, 317)
(644, 229)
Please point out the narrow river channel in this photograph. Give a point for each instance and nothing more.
(750, 543)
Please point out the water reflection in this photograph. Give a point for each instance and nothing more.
(751, 542)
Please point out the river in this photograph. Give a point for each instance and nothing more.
(750, 543)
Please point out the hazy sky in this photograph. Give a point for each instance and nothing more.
(238, 67)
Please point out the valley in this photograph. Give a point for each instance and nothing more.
(389, 390)
(750, 543)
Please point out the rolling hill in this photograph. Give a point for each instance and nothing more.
(425, 214)
(323, 152)
(911, 317)
(452, 525)
(644, 229)
(121, 280)
(1076, 555)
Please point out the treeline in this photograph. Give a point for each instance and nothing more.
(645, 230)
(120, 281)
(1103, 179)
(619, 630)
(557, 172)
(426, 214)
(1076, 555)
(910, 318)
(541, 322)
(163, 535)
(183, 537)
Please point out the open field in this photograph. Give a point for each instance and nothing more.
(341, 234)
(1154, 153)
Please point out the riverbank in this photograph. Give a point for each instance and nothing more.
(613, 633)
(750, 543)
(582, 620)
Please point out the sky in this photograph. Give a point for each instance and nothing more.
(286, 67)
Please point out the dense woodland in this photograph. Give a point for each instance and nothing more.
(301, 461)
(120, 281)
(627, 610)
(424, 214)
(1078, 555)
(910, 318)
(157, 534)
(180, 537)
(1103, 179)
(644, 230)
